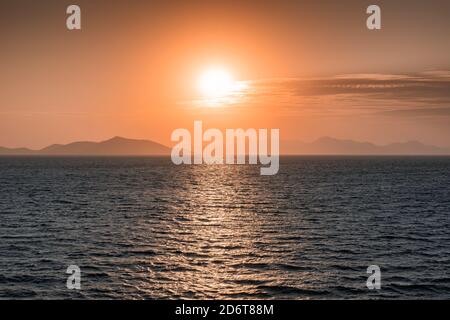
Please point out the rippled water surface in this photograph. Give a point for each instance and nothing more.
(145, 228)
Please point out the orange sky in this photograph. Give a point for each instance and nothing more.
(311, 69)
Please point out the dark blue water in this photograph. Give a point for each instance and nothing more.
(145, 228)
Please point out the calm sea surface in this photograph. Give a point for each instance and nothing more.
(145, 228)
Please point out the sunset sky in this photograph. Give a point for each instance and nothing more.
(309, 68)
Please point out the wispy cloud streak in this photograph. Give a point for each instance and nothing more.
(355, 93)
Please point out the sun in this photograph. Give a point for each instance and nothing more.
(216, 83)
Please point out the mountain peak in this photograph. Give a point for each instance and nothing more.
(117, 138)
(326, 139)
(116, 146)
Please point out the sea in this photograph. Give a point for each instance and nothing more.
(144, 228)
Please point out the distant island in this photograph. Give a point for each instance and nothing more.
(116, 146)
(331, 146)
(119, 146)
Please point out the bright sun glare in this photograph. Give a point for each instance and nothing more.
(216, 83)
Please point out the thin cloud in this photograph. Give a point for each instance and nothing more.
(425, 112)
(365, 93)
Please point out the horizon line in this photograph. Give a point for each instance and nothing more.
(285, 140)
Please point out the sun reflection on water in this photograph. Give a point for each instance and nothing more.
(220, 242)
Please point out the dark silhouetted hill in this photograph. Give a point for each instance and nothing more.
(116, 146)
(331, 146)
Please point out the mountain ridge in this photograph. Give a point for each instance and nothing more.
(332, 146)
(120, 146)
(111, 147)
